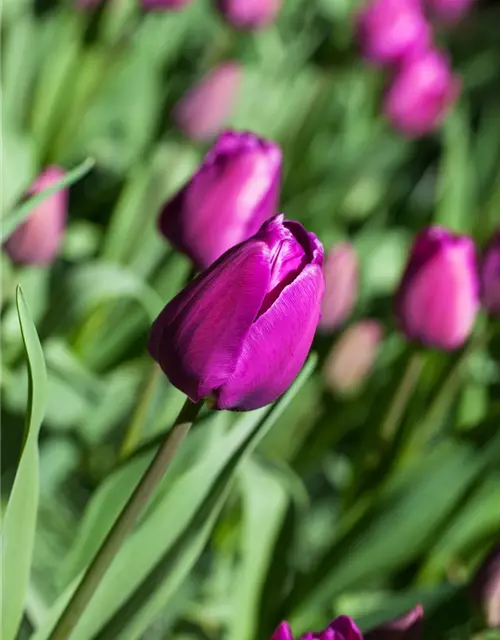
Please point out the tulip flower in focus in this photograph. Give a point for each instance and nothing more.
(159, 5)
(342, 628)
(37, 240)
(249, 14)
(486, 587)
(353, 356)
(226, 201)
(420, 94)
(438, 297)
(205, 109)
(341, 281)
(241, 331)
(490, 276)
(407, 627)
(449, 10)
(389, 30)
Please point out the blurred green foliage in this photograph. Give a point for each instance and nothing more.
(304, 511)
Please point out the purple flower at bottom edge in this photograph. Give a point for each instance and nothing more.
(342, 628)
(226, 201)
(438, 297)
(241, 331)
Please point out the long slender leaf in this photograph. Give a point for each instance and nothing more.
(18, 533)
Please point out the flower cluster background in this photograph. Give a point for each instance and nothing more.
(346, 491)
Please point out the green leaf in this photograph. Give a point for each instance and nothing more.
(18, 534)
(149, 568)
(265, 501)
(12, 220)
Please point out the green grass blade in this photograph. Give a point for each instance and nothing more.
(18, 534)
(16, 217)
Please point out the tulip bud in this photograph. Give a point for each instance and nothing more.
(449, 10)
(420, 94)
(486, 587)
(37, 240)
(342, 628)
(242, 330)
(341, 281)
(206, 108)
(438, 297)
(160, 5)
(490, 276)
(249, 14)
(407, 627)
(226, 201)
(389, 30)
(353, 356)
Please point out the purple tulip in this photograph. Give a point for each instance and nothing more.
(249, 14)
(490, 276)
(241, 331)
(226, 201)
(161, 5)
(449, 10)
(37, 240)
(407, 627)
(341, 279)
(353, 356)
(486, 587)
(205, 109)
(421, 93)
(342, 628)
(389, 30)
(438, 297)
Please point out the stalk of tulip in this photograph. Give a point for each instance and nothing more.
(125, 522)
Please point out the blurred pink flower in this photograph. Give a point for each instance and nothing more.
(341, 277)
(438, 297)
(389, 30)
(38, 239)
(249, 14)
(407, 627)
(490, 276)
(353, 356)
(160, 5)
(204, 111)
(420, 94)
(486, 587)
(449, 10)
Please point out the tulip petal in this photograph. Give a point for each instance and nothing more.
(283, 632)
(199, 335)
(276, 346)
(345, 628)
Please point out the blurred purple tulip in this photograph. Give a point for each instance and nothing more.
(341, 279)
(37, 240)
(249, 14)
(160, 5)
(449, 10)
(490, 276)
(389, 30)
(204, 111)
(241, 331)
(438, 297)
(353, 356)
(486, 587)
(342, 628)
(421, 93)
(407, 627)
(226, 201)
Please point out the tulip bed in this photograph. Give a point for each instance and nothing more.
(221, 469)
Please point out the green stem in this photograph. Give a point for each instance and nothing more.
(125, 522)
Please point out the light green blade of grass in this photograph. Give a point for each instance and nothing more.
(19, 524)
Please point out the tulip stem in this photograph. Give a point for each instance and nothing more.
(125, 522)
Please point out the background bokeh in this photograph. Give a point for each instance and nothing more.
(328, 514)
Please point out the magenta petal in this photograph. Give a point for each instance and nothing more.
(198, 337)
(283, 632)
(276, 346)
(344, 629)
(409, 626)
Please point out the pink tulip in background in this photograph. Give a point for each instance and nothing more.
(485, 587)
(490, 276)
(341, 278)
(421, 93)
(249, 14)
(204, 111)
(160, 5)
(407, 627)
(449, 10)
(37, 240)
